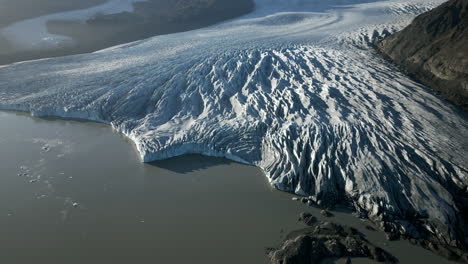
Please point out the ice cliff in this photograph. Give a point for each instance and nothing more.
(294, 88)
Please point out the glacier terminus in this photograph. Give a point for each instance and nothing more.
(294, 88)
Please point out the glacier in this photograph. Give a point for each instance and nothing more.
(294, 88)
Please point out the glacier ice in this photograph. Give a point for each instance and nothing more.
(295, 89)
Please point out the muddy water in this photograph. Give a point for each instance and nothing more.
(52, 28)
(75, 192)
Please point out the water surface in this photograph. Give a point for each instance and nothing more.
(75, 192)
(74, 27)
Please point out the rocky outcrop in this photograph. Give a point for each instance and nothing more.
(434, 49)
(327, 240)
(308, 219)
(323, 240)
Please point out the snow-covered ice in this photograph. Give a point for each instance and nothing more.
(32, 34)
(295, 89)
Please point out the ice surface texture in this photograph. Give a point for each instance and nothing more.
(295, 89)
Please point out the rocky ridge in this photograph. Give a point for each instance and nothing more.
(327, 240)
(434, 49)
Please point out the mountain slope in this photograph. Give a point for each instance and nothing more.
(434, 48)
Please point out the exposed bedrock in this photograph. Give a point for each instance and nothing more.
(434, 49)
(327, 240)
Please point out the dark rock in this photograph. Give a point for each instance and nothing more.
(465, 257)
(304, 215)
(368, 227)
(327, 240)
(329, 229)
(348, 261)
(434, 49)
(444, 250)
(381, 255)
(294, 251)
(440, 248)
(326, 213)
(392, 236)
(308, 219)
(304, 200)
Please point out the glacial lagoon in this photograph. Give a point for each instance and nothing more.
(76, 192)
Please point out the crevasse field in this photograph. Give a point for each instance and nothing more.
(294, 88)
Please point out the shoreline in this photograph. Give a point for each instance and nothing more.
(77, 177)
(450, 253)
(61, 34)
(342, 216)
